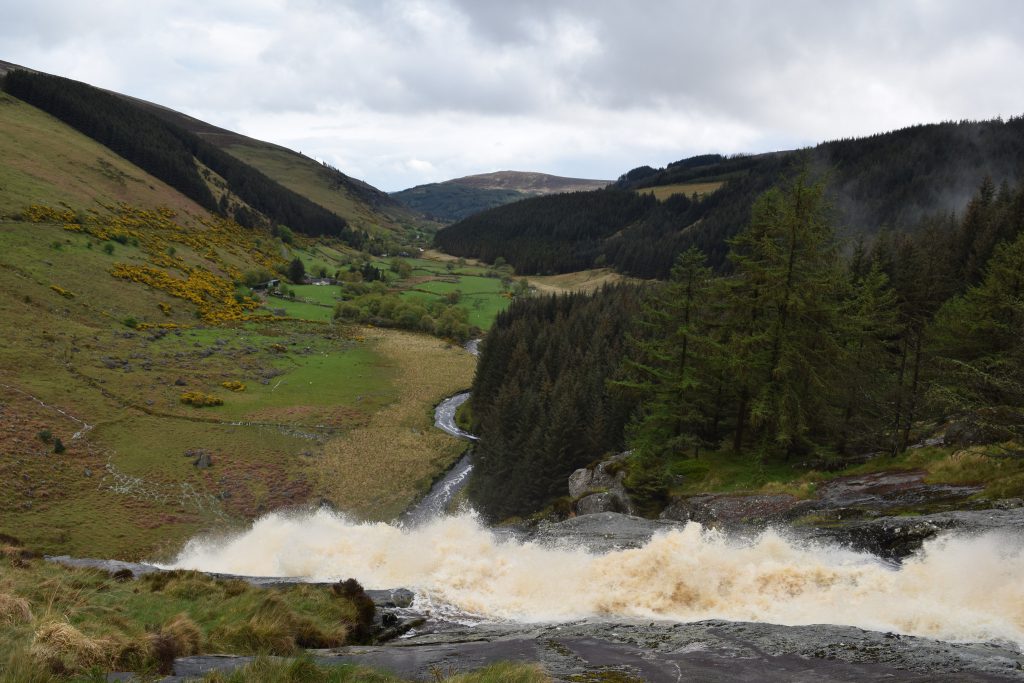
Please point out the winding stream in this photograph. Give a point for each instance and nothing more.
(436, 502)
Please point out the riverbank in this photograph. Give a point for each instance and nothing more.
(596, 596)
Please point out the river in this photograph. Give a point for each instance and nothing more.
(440, 496)
(518, 591)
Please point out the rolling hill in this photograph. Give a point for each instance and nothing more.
(456, 199)
(278, 184)
(894, 181)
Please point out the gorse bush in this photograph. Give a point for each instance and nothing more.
(200, 400)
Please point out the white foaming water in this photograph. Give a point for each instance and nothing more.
(957, 588)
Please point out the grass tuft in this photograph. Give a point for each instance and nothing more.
(64, 649)
(14, 610)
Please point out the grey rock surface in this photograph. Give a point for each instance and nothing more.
(600, 532)
(670, 652)
(604, 478)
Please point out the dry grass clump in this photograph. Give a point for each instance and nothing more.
(275, 629)
(504, 672)
(14, 610)
(186, 634)
(179, 637)
(1002, 477)
(64, 649)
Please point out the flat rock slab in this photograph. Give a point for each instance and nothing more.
(601, 532)
(667, 652)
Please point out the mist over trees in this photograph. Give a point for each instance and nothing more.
(793, 353)
(890, 181)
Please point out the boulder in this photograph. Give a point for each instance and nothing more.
(598, 502)
(600, 488)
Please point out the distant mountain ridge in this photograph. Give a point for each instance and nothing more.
(455, 199)
(529, 182)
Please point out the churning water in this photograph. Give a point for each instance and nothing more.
(956, 588)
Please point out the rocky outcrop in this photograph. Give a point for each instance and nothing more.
(600, 488)
(871, 512)
(730, 511)
(600, 532)
(896, 537)
(665, 652)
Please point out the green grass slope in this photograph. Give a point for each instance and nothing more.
(47, 162)
(362, 205)
(113, 313)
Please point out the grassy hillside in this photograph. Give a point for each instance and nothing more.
(121, 313)
(271, 184)
(363, 206)
(663, 192)
(87, 175)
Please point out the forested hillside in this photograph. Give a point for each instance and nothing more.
(554, 234)
(798, 355)
(176, 156)
(892, 180)
(540, 399)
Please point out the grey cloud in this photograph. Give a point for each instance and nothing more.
(566, 84)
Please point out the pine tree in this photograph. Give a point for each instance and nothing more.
(979, 341)
(783, 303)
(869, 329)
(663, 370)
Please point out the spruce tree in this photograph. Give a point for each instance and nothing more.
(783, 301)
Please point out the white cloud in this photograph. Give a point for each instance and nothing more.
(402, 92)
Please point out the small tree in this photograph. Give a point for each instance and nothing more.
(296, 271)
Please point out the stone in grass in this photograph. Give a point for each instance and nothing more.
(202, 458)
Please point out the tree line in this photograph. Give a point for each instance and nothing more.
(887, 181)
(170, 153)
(793, 353)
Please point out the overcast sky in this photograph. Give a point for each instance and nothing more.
(400, 93)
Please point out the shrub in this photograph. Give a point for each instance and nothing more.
(257, 276)
(296, 270)
(45, 435)
(200, 400)
(58, 446)
(108, 248)
(233, 385)
(63, 292)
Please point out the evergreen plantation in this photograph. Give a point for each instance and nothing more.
(170, 153)
(790, 354)
(891, 180)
